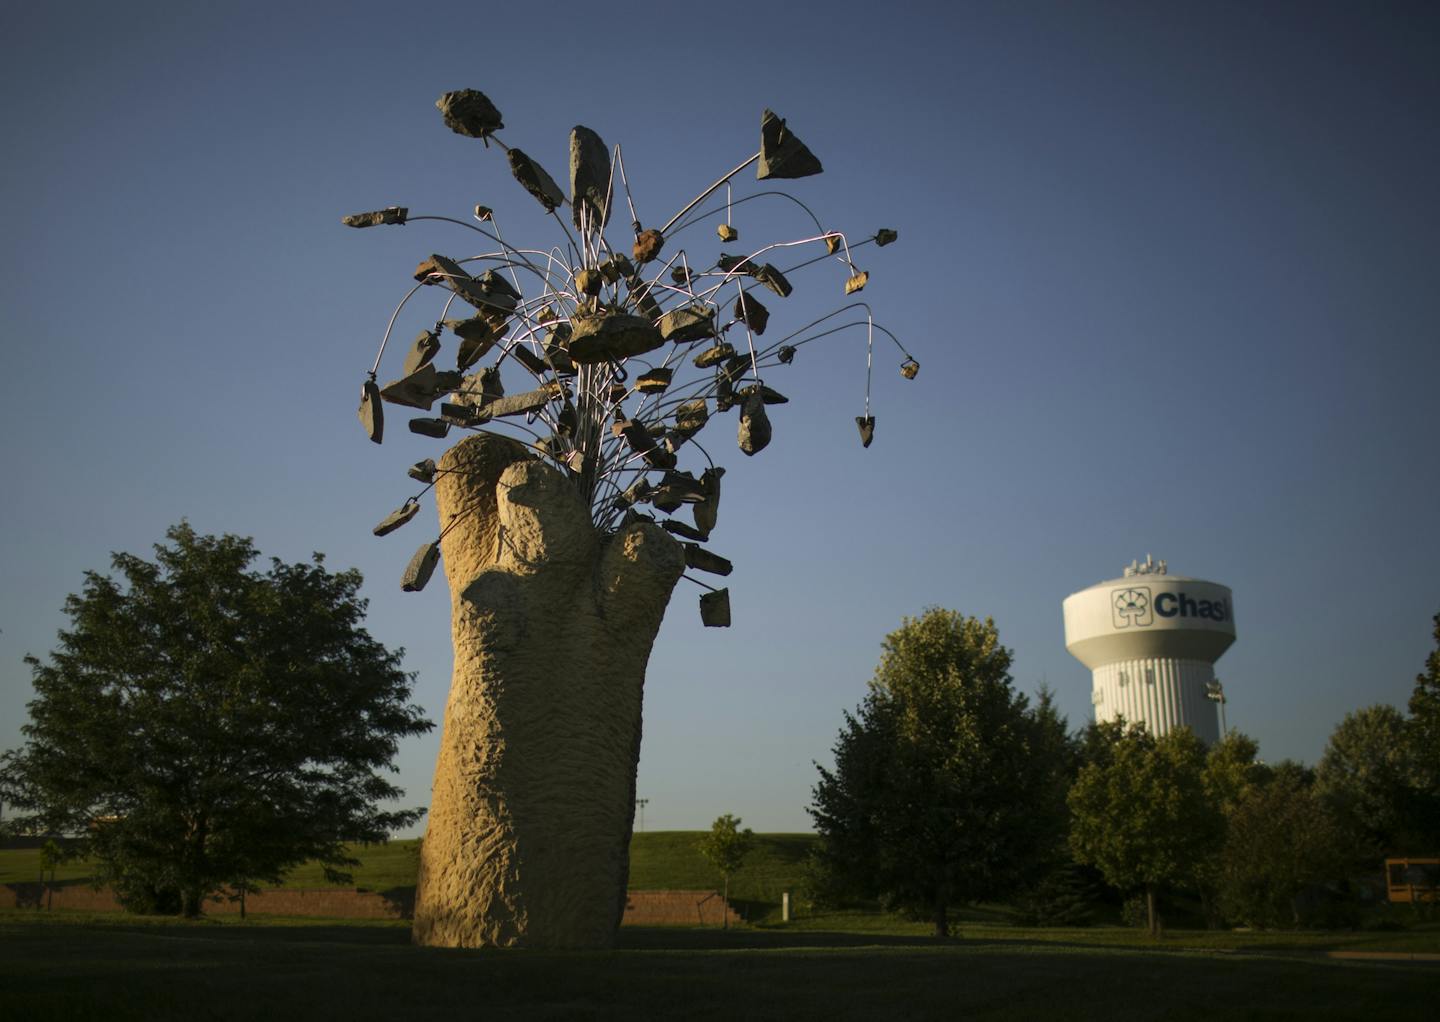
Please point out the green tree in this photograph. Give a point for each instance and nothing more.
(202, 724)
(1141, 815)
(1365, 776)
(1423, 739)
(947, 787)
(1280, 840)
(726, 847)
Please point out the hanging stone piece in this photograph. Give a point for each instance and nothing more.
(420, 388)
(781, 153)
(655, 381)
(735, 264)
(707, 511)
(589, 281)
(754, 435)
(773, 279)
(637, 493)
(767, 395)
(422, 352)
(687, 324)
(680, 275)
(372, 415)
(437, 428)
(786, 354)
(885, 236)
(866, 425)
(520, 404)
(678, 528)
(529, 360)
(832, 243)
(422, 471)
(699, 558)
(420, 568)
(909, 368)
(480, 388)
(590, 178)
(727, 233)
(611, 338)
(856, 282)
(388, 215)
(483, 213)
(533, 178)
(647, 245)
(715, 609)
(715, 355)
(749, 311)
(468, 112)
(460, 415)
(397, 518)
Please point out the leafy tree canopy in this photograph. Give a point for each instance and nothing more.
(202, 724)
(726, 847)
(948, 788)
(1141, 813)
(1364, 776)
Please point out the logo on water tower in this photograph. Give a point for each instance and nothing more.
(1132, 606)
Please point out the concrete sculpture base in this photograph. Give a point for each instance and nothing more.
(532, 806)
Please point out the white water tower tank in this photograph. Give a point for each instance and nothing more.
(1151, 640)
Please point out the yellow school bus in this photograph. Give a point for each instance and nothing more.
(1412, 879)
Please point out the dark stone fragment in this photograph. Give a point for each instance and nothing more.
(687, 324)
(885, 236)
(397, 518)
(372, 415)
(673, 527)
(715, 355)
(659, 457)
(703, 560)
(909, 368)
(520, 404)
(665, 500)
(637, 493)
(866, 425)
(655, 381)
(422, 351)
(420, 568)
(754, 434)
(635, 434)
(774, 280)
(567, 421)
(786, 354)
(724, 393)
(388, 215)
(533, 178)
(437, 428)
(529, 360)
(749, 311)
(590, 180)
(420, 388)
(589, 282)
(680, 275)
(647, 246)
(715, 609)
(727, 233)
(691, 416)
(735, 367)
(769, 396)
(735, 264)
(856, 282)
(423, 471)
(781, 153)
(460, 415)
(707, 511)
(611, 338)
(499, 288)
(468, 112)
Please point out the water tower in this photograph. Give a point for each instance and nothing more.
(1151, 640)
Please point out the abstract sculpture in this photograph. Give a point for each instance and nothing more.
(558, 578)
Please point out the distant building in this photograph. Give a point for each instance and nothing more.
(1151, 640)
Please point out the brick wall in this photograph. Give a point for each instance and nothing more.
(676, 908)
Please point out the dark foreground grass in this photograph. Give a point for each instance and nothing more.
(58, 967)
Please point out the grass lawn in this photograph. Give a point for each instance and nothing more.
(58, 966)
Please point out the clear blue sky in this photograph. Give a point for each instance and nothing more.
(1170, 270)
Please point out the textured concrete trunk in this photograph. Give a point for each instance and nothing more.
(532, 806)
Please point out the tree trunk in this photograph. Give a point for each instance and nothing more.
(190, 900)
(534, 795)
(1150, 910)
(725, 905)
(942, 919)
